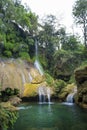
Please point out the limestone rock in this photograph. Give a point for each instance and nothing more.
(16, 73)
(81, 80)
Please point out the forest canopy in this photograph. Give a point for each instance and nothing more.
(20, 29)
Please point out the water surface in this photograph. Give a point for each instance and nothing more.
(57, 116)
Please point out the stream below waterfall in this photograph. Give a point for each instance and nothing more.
(56, 116)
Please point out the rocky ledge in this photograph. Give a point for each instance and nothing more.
(81, 80)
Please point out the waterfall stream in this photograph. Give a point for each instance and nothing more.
(30, 77)
(48, 94)
(44, 95)
(70, 97)
(23, 78)
(37, 63)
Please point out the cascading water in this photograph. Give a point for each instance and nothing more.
(44, 92)
(48, 94)
(37, 63)
(30, 77)
(23, 78)
(44, 95)
(70, 97)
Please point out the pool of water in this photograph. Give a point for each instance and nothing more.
(57, 116)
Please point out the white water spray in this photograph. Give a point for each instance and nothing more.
(37, 63)
(48, 95)
(23, 78)
(44, 95)
(30, 77)
(70, 96)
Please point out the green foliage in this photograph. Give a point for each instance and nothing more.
(80, 15)
(16, 91)
(72, 79)
(9, 91)
(7, 118)
(24, 55)
(5, 94)
(62, 62)
(17, 25)
(58, 85)
(9, 46)
(70, 44)
(43, 61)
(49, 79)
(80, 10)
(7, 53)
(48, 41)
(61, 53)
(82, 65)
(85, 53)
(66, 61)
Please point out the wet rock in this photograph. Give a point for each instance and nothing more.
(70, 88)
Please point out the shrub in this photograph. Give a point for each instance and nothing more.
(58, 85)
(24, 55)
(16, 91)
(7, 118)
(49, 79)
(8, 53)
(5, 94)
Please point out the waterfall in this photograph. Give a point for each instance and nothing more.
(36, 49)
(38, 66)
(23, 78)
(37, 63)
(40, 96)
(30, 77)
(44, 95)
(48, 95)
(70, 96)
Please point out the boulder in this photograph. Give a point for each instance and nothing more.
(81, 81)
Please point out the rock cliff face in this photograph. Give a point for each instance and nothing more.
(81, 80)
(21, 75)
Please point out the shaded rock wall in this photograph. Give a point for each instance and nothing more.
(81, 80)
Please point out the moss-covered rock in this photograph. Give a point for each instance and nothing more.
(30, 90)
(65, 91)
(81, 80)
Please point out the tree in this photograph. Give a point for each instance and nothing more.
(71, 43)
(17, 25)
(48, 40)
(80, 14)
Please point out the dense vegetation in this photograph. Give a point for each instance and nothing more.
(18, 32)
(7, 93)
(8, 117)
(59, 53)
(17, 26)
